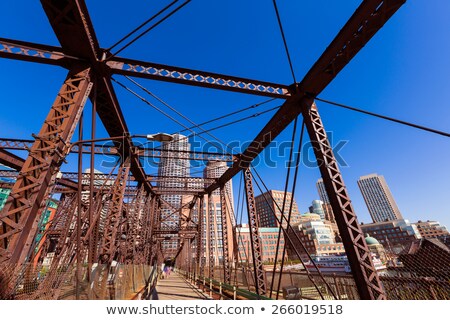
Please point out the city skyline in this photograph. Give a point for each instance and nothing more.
(368, 82)
(410, 211)
(225, 93)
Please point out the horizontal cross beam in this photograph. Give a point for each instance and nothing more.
(107, 149)
(33, 52)
(370, 17)
(193, 77)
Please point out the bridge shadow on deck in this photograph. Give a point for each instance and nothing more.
(175, 287)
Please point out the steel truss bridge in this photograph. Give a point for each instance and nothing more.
(110, 226)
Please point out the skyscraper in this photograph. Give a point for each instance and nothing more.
(265, 207)
(329, 214)
(214, 170)
(174, 164)
(213, 223)
(378, 198)
(322, 192)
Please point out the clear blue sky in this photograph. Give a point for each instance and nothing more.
(403, 72)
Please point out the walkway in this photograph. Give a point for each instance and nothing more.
(177, 288)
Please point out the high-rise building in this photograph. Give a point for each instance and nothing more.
(174, 164)
(272, 201)
(214, 170)
(322, 192)
(378, 198)
(268, 239)
(328, 210)
(317, 208)
(212, 230)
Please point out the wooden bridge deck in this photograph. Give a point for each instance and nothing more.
(175, 287)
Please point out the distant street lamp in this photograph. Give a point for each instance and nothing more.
(161, 137)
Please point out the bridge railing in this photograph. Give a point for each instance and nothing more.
(97, 282)
(342, 285)
(220, 290)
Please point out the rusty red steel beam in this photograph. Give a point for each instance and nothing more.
(34, 52)
(110, 113)
(108, 149)
(359, 256)
(70, 18)
(183, 181)
(256, 243)
(161, 72)
(19, 216)
(67, 183)
(72, 25)
(61, 187)
(368, 18)
(11, 160)
(15, 162)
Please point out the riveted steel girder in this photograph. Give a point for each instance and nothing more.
(19, 216)
(260, 283)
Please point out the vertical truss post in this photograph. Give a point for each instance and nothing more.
(260, 284)
(132, 227)
(93, 239)
(147, 230)
(20, 216)
(225, 247)
(108, 247)
(189, 255)
(154, 243)
(79, 211)
(211, 213)
(200, 265)
(366, 278)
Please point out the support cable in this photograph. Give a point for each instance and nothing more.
(148, 29)
(159, 110)
(409, 124)
(291, 229)
(233, 218)
(174, 110)
(253, 106)
(240, 209)
(142, 25)
(284, 40)
(231, 123)
(286, 184)
(240, 120)
(294, 183)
